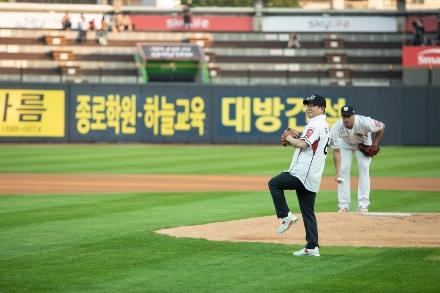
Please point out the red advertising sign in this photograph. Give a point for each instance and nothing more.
(429, 22)
(421, 56)
(198, 23)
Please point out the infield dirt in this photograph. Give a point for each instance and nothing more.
(97, 183)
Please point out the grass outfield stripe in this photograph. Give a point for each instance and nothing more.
(183, 159)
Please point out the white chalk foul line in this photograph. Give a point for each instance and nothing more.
(391, 215)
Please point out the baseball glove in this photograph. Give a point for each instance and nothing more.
(368, 150)
(289, 131)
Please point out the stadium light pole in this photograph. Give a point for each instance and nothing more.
(172, 68)
(100, 72)
(351, 74)
(249, 73)
(390, 67)
(430, 75)
(61, 72)
(319, 74)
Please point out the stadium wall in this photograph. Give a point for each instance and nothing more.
(203, 114)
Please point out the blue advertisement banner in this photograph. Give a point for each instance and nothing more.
(264, 114)
(139, 117)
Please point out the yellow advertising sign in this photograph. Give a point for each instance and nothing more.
(32, 113)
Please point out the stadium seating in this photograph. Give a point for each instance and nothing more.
(233, 58)
(350, 59)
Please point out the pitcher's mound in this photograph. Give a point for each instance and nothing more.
(335, 229)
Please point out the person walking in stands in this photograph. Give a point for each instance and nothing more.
(419, 33)
(346, 134)
(186, 17)
(83, 26)
(304, 175)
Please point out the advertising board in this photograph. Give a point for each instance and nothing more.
(198, 23)
(329, 24)
(32, 113)
(421, 56)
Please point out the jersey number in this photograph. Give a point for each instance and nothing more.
(326, 147)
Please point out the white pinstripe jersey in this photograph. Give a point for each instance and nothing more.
(308, 164)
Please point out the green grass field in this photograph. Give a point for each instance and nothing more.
(107, 243)
(182, 159)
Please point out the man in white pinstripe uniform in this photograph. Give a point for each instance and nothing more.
(304, 175)
(346, 134)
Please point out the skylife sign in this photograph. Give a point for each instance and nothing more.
(329, 24)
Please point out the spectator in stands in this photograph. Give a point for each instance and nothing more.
(126, 22)
(419, 33)
(438, 30)
(112, 24)
(293, 41)
(101, 34)
(83, 27)
(119, 23)
(186, 17)
(92, 25)
(66, 22)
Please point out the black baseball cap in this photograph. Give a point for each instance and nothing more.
(316, 100)
(347, 110)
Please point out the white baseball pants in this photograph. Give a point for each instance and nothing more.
(364, 178)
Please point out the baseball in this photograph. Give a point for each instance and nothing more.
(340, 180)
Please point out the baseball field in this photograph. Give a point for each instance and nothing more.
(185, 218)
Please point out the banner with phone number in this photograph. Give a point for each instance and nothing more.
(257, 114)
(131, 116)
(32, 113)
